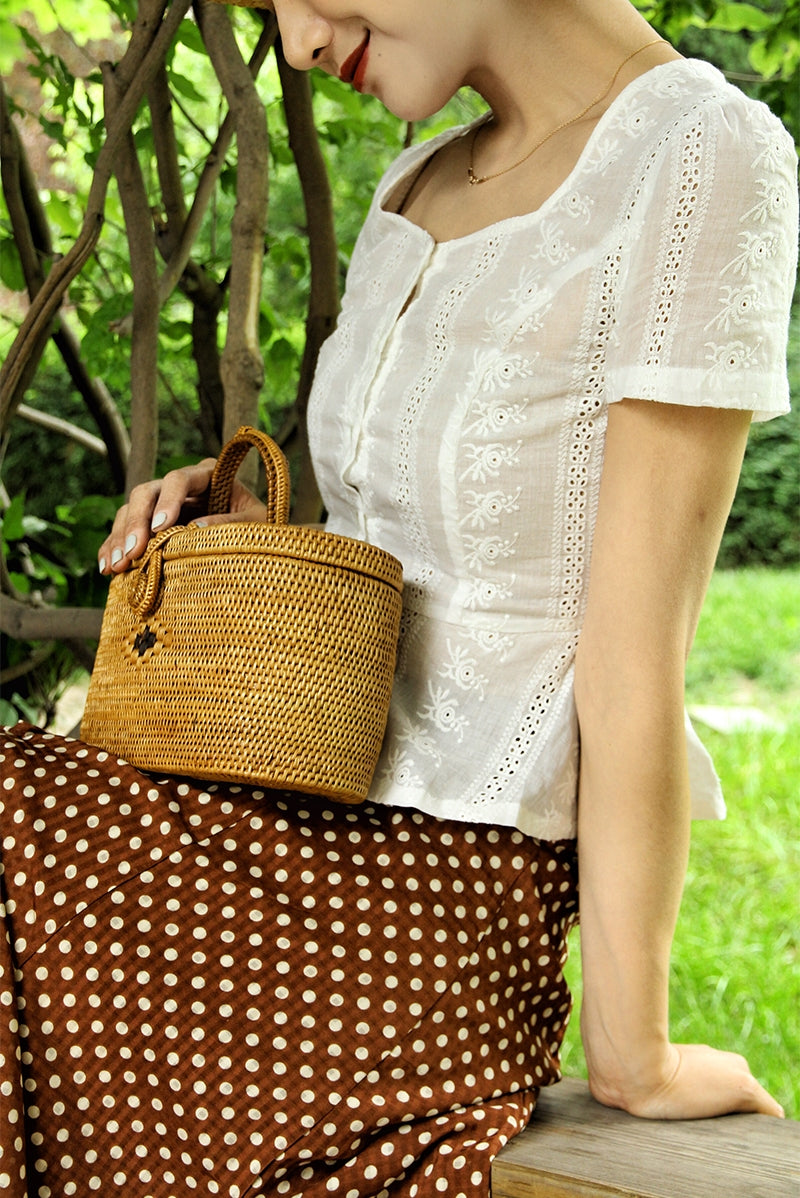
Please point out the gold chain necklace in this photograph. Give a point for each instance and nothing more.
(476, 179)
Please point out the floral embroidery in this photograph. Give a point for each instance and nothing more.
(737, 305)
(409, 733)
(492, 370)
(488, 507)
(487, 461)
(483, 592)
(486, 551)
(493, 414)
(772, 201)
(553, 246)
(443, 711)
(462, 668)
(730, 358)
(756, 249)
(491, 640)
(400, 769)
(578, 206)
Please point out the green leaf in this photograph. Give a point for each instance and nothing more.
(124, 9)
(349, 100)
(733, 18)
(34, 525)
(281, 363)
(13, 527)
(176, 330)
(185, 87)
(61, 214)
(227, 180)
(281, 152)
(11, 272)
(54, 129)
(189, 36)
(20, 582)
(8, 714)
(12, 47)
(143, 138)
(774, 58)
(47, 571)
(94, 511)
(19, 709)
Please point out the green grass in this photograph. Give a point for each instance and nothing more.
(735, 969)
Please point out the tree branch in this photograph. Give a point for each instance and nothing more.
(32, 234)
(28, 343)
(56, 425)
(144, 338)
(323, 304)
(27, 623)
(99, 401)
(209, 177)
(242, 365)
(159, 100)
(37, 658)
(207, 299)
(32, 245)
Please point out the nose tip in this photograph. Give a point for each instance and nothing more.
(304, 42)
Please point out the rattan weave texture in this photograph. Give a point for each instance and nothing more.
(257, 653)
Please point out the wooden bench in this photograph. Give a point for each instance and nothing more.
(576, 1148)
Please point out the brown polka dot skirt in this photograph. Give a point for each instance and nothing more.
(215, 989)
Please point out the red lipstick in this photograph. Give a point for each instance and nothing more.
(355, 65)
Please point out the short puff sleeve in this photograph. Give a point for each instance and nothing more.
(707, 261)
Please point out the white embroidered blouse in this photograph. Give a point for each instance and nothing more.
(458, 418)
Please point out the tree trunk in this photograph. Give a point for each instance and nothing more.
(323, 304)
(242, 365)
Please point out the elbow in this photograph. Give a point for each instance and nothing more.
(624, 686)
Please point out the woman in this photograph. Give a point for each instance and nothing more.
(558, 325)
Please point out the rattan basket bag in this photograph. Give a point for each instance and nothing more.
(250, 652)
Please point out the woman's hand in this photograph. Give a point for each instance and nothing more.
(177, 498)
(695, 1082)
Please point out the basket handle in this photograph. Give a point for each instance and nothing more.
(230, 459)
(146, 573)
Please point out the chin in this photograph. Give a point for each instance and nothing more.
(408, 109)
(422, 96)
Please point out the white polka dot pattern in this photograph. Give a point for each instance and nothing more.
(228, 991)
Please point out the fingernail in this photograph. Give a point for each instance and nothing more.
(116, 556)
(201, 523)
(101, 565)
(130, 542)
(158, 520)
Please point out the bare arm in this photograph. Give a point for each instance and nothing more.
(668, 482)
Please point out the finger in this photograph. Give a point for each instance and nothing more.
(255, 513)
(152, 506)
(123, 540)
(756, 1099)
(131, 529)
(707, 1083)
(743, 1093)
(179, 487)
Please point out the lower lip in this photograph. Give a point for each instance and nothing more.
(361, 69)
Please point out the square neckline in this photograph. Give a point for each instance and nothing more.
(402, 185)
